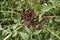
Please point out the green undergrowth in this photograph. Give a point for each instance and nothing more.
(29, 19)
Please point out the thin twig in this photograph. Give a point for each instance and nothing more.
(52, 16)
(8, 11)
(11, 33)
(7, 36)
(53, 34)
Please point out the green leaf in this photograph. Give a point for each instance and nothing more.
(37, 32)
(28, 30)
(1, 37)
(40, 16)
(17, 38)
(6, 14)
(1, 27)
(25, 36)
(15, 33)
(5, 32)
(15, 26)
(28, 1)
(19, 8)
(54, 0)
(57, 19)
(51, 38)
(37, 8)
(50, 20)
(46, 8)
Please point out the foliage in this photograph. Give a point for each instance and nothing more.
(29, 19)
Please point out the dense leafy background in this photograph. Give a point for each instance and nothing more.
(29, 19)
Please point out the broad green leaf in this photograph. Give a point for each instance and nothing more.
(57, 19)
(15, 26)
(28, 30)
(24, 36)
(37, 9)
(46, 8)
(37, 32)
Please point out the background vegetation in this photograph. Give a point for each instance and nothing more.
(29, 19)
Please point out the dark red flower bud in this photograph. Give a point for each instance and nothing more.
(28, 14)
